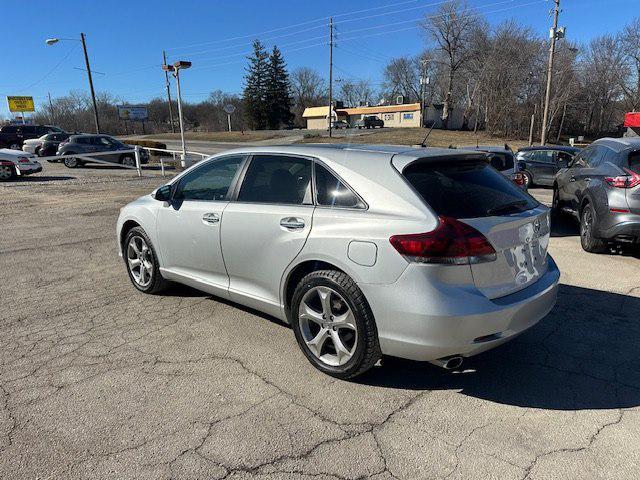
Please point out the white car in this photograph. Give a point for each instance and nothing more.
(33, 144)
(14, 163)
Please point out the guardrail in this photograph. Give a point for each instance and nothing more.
(92, 157)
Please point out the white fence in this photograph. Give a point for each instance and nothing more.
(93, 157)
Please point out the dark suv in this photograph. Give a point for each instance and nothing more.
(87, 143)
(13, 136)
(370, 121)
(539, 165)
(601, 188)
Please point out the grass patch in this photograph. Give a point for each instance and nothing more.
(232, 137)
(414, 136)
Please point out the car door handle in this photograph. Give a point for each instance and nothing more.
(292, 223)
(210, 218)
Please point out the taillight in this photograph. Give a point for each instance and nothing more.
(518, 179)
(452, 242)
(23, 160)
(624, 181)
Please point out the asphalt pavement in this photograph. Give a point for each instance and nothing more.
(98, 381)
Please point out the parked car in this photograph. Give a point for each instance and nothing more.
(370, 121)
(33, 145)
(427, 254)
(51, 143)
(94, 143)
(503, 160)
(539, 165)
(601, 188)
(338, 124)
(14, 163)
(13, 136)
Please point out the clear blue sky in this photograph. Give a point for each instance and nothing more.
(125, 39)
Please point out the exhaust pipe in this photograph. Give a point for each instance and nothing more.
(449, 363)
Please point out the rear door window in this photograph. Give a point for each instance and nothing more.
(277, 179)
(466, 189)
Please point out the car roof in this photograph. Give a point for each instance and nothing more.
(562, 148)
(488, 148)
(619, 144)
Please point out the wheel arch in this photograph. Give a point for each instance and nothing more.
(126, 227)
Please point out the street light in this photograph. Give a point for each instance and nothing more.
(53, 41)
(175, 71)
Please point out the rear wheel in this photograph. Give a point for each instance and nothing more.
(334, 325)
(528, 179)
(142, 262)
(6, 173)
(71, 162)
(15, 146)
(128, 161)
(587, 231)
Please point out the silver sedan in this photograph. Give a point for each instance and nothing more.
(426, 254)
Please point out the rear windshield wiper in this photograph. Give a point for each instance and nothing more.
(507, 207)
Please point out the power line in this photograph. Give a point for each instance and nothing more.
(54, 68)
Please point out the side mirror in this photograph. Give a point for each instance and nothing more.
(163, 194)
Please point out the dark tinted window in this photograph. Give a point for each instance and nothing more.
(583, 159)
(29, 130)
(543, 156)
(332, 192)
(598, 157)
(565, 156)
(501, 161)
(634, 161)
(277, 179)
(9, 129)
(84, 140)
(462, 189)
(210, 181)
(102, 141)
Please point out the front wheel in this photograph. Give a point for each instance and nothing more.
(6, 173)
(15, 146)
(587, 232)
(128, 161)
(71, 162)
(142, 262)
(334, 325)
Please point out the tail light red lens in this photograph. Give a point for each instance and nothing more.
(518, 179)
(23, 160)
(452, 242)
(624, 181)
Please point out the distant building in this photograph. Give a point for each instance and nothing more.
(405, 115)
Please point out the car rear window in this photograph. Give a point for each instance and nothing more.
(466, 189)
(634, 161)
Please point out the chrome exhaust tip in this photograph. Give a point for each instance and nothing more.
(449, 363)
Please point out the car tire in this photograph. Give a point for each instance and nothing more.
(37, 152)
(71, 162)
(345, 344)
(128, 161)
(141, 262)
(589, 242)
(556, 207)
(528, 179)
(7, 173)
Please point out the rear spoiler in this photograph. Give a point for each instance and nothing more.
(441, 155)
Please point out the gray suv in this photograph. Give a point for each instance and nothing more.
(601, 188)
(422, 253)
(86, 143)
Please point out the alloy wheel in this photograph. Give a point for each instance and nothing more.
(586, 224)
(5, 172)
(139, 261)
(129, 162)
(328, 326)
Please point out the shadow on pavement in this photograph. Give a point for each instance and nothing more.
(584, 355)
(564, 226)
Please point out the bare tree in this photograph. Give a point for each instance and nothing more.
(352, 92)
(308, 89)
(452, 28)
(630, 39)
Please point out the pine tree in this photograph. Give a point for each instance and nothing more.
(255, 87)
(278, 98)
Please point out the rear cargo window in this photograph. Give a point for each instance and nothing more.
(462, 189)
(634, 161)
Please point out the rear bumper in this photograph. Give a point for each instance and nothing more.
(620, 225)
(422, 319)
(29, 169)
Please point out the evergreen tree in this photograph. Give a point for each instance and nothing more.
(255, 87)
(278, 98)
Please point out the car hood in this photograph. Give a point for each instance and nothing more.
(14, 154)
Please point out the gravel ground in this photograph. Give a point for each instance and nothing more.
(100, 381)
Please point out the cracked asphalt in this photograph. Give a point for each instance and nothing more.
(98, 381)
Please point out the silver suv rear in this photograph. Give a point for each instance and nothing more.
(427, 254)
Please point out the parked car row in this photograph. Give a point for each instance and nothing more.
(370, 121)
(14, 163)
(14, 136)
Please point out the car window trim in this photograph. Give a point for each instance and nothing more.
(341, 180)
(274, 154)
(232, 186)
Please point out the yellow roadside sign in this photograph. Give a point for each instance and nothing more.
(21, 104)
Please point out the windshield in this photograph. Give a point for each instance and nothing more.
(471, 189)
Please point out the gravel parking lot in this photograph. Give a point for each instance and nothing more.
(100, 381)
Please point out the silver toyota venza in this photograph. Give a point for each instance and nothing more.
(426, 254)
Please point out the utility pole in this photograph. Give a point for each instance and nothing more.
(330, 74)
(93, 93)
(424, 81)
(533, 121)
(552, 51)
(166, 79)
(50, 109)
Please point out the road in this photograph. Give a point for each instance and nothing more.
(100, 381)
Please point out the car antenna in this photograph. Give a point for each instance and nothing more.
(424, 142)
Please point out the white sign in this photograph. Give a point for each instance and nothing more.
(136, 113)
(229, 109)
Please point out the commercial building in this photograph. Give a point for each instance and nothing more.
(404, 115)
